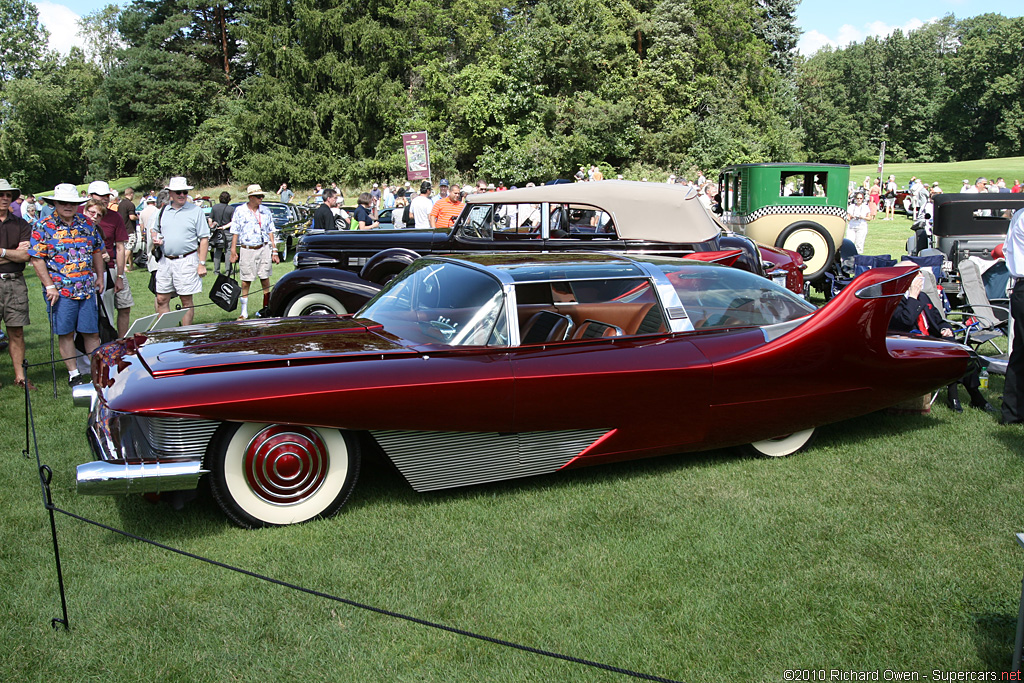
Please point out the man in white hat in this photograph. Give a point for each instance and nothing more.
(252, 245)
(67, 254)
(181, 230)
(115, 236)
(15, 234)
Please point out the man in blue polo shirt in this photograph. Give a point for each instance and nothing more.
(181, 230)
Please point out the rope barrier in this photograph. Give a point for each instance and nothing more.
(46, 474)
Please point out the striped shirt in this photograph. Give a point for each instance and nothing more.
(445, 212)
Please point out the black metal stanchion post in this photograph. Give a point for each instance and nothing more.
(28, 437)
(53, 361)
(45, 475)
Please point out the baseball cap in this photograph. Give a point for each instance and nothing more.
(99, 187)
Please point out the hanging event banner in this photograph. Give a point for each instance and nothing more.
(417, 156)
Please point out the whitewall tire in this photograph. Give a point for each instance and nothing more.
(315, 303)
(783, 445)
(273, 475)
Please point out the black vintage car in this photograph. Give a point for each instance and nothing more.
(338, 271)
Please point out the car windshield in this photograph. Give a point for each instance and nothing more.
(438, 302)
(280, 213)
(716, 296)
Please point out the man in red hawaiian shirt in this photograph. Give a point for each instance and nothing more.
(67, 254)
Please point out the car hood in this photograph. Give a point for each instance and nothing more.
(282, 343)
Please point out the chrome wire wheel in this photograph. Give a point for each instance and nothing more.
(272, 475)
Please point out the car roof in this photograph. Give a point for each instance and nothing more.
(642, 211)
(534, 267)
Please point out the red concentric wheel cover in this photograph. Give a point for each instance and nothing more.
(286, 465)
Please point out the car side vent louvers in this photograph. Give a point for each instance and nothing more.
(179, 436)
(443, 460)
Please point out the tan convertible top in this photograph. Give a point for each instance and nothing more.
(641, 211)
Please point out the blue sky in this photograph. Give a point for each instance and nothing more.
(822, 21)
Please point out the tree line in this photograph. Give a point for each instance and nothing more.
(309, 90)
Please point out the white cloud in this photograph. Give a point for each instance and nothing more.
(811, 41)
(62, 23)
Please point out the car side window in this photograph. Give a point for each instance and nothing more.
(580, 221)
(720, 297)
(517, 221)
(550, 312)
(477, 223)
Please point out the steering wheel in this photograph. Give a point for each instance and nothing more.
(429, 291)
(446, 329)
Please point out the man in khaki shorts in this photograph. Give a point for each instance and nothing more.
(181, 230)
(15, 234)
(252, 245)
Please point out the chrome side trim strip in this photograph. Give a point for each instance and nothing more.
(431, 461)
(117, 477)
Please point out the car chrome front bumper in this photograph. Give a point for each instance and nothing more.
(118, 477)
(141, 455)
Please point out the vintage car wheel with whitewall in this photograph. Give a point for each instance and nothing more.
(315, 303)
(813, 243)
(273, 475)
(781, 446)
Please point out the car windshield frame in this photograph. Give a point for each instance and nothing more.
(441, 301)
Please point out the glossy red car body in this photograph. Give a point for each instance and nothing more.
(451, 413)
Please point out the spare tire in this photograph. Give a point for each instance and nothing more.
(813, 243)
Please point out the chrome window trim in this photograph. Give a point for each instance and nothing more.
(668, 298)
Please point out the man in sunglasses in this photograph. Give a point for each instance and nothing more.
(15, 234)
(181, 230)
(67, 254)
(252, 245)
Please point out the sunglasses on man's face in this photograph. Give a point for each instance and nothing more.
(6, 195)
(179, 192)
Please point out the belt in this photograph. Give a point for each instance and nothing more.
(258, 246)
(10, 276)
(168, 256)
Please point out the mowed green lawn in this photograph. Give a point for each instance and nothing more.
(887, 545)
(950, 176)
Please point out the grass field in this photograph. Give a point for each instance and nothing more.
(888, 545)
(949, 176)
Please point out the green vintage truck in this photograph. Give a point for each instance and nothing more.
(801, 207)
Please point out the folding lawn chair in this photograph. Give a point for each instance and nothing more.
(985, 320)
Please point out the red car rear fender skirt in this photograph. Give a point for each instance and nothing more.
(441, 460)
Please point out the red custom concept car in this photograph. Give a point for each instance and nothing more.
(496, 366)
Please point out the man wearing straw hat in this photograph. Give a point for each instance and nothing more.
(67, 254)
(15, 234)
(181, 230)
(252, 245)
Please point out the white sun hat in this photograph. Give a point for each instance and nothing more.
(178, 183)
(65, 192)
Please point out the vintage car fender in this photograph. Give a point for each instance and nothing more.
(311, 291)
(385, 265)
(777, 262)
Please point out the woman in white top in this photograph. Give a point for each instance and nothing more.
(857, 222)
